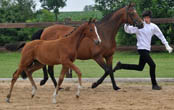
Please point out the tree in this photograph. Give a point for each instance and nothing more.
(159, 8)
(16, 10)
(13, 11)
(88, 8)
(106, 6)
(53, 5)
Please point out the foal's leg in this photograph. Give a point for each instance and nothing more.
(29, 72)
(108, 70)
(34, 87)
(42, 82)
(77, 70)
(61, 78)
(15, 77)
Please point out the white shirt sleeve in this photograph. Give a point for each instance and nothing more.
(130, 29)
(159, 34)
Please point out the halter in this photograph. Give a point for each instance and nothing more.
(135, 21)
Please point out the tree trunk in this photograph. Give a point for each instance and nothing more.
(56, 11)
(56, 16)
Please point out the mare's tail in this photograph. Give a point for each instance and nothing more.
(35, 36)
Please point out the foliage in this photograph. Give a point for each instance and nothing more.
(88, 8)
(160, 9)
(78, 16)
(42, 15)
(106, 6)
(53, 5)
(16, 10)
(13, 11)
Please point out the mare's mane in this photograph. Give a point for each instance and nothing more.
(107, 16)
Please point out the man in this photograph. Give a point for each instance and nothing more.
(144, 37)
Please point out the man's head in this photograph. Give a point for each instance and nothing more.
(146, 16)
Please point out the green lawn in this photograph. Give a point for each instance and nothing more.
(89, 68)
(81, 15)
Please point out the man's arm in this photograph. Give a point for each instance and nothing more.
(160, 35)
(130, 29)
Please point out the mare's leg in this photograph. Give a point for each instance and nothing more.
(42, 82)
(61, 78)
(15, 77)
(109, 63)
(34, 67)
(51, 73)
(107, 70)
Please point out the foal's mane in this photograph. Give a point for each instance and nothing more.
(71, 32)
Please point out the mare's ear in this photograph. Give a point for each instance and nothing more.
(90, 20)
(131, 4)
(94, 20)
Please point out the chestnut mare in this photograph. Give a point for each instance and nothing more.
(107, 28)
(61, 51)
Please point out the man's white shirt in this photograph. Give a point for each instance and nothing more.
(144, 35)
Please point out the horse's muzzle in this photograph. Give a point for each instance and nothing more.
(140, 26)
(97, 42)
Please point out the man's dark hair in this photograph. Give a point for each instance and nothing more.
(147, 13)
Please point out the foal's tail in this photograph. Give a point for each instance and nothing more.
(23, 75)
(35, 36)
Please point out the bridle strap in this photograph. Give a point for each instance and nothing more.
(129, 15)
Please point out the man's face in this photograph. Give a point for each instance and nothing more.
(147, 19)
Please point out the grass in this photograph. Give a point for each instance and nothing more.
(89, 68)
(81, 15)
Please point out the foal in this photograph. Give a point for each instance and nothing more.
(61, 51)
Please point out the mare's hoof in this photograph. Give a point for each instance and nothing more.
(156, 87)
(116, 88)
(77, 96)
(61, 88)
(55, 85)
(42, 82)
(94, 85)
(7, 100)
(32, 96)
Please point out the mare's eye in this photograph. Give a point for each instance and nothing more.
(91, 30)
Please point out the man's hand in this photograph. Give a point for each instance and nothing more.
(168, 48)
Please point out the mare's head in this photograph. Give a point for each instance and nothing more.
(91, 32)
(131, 16)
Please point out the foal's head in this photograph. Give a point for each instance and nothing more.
(91, 31)
(131, 16)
